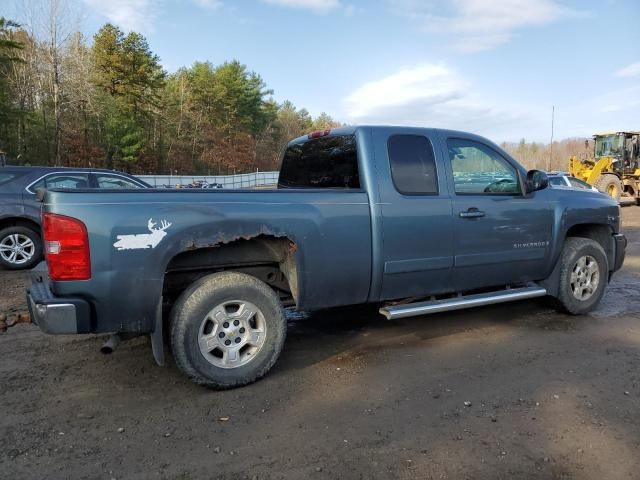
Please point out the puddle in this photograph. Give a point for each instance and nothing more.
(622, 297)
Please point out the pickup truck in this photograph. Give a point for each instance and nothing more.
(414, 220)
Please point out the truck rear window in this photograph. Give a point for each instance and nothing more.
(326, 162)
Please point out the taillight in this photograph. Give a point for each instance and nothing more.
(66, 246)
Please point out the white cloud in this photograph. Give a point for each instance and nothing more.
(632, 70)
(138, 15)
(141, 15)
(431, 84)
(475, 25)
(435, 95)
(432, 95)
(316, 6)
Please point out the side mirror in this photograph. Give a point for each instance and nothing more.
(536, 180)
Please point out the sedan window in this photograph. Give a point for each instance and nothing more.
(578, 183)
(62, 180)
(114, 181)
(558, 181)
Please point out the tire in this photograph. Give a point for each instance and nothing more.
(609, 184)
(204, 335)
(20, 248)
(582, 255)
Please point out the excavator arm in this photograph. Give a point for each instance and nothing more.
(589, 171)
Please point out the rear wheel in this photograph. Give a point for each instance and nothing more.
(583, 275)
(20, 247)
(609, 184)
(227, 330)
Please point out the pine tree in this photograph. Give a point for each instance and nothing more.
(8, 55)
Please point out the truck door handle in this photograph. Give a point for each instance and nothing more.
(472, 213)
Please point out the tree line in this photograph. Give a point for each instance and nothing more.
(549, 156)
(107, 102)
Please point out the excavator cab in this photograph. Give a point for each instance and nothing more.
(615, 166)
(622, 148)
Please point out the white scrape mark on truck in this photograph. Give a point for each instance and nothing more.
(143, 240)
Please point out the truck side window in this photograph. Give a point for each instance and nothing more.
(413, 165)
(480, 170)
(325, 162)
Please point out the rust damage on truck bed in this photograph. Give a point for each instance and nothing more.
(223, 238)
(267, 254)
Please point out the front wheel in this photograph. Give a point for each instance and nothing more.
(227, 330)
(583, 275)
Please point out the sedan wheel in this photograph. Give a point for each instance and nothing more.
(17, 249)
(20, 247)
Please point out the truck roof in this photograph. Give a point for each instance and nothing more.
(351, 129)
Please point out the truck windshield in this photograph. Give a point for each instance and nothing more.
(609, 146)
(325, 162)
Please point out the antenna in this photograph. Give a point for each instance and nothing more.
(553, 111)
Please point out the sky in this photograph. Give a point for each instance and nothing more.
(493, 67)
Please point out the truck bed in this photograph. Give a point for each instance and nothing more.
(333, 225)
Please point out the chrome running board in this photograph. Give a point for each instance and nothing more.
(393, 312)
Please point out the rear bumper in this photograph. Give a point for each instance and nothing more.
(57, 315)
(620, 245)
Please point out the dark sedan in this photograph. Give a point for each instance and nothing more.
(20, 239)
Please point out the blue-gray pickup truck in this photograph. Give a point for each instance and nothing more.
(414, 220)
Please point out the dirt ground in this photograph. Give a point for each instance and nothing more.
(510, 391)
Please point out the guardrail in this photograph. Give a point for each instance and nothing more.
(241, 180)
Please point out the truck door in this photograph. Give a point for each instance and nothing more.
(415, 208)
(500, 236)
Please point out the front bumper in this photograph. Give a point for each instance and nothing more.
(57, 315)
(620, 248)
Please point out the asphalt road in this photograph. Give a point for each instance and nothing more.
(510, 391)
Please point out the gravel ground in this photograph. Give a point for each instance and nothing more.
(510, 391)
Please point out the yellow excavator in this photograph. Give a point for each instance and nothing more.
(615, 166)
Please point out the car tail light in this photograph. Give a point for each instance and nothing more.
(66, 246)
(319, 133)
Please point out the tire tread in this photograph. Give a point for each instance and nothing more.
(198, 292)
(572, 247)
